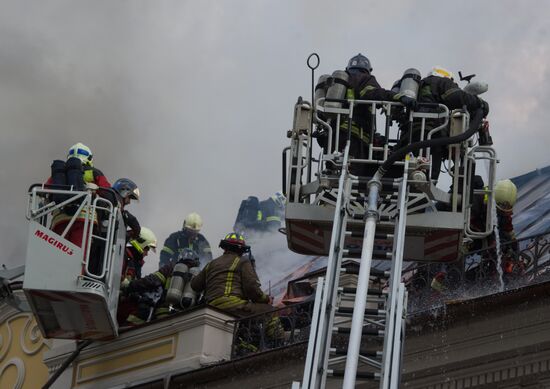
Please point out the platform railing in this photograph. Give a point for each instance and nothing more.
(84, 205)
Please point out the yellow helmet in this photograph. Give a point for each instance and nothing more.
(193, 221)
(439, 71)
(82, 152)
(506, 194)
(146, 239)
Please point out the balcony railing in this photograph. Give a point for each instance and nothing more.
(522, 262)
(278, 328)
(482, 272)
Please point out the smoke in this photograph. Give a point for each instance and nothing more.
(192, 100)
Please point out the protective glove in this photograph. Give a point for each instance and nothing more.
(484, 106)
(408, 102)
(124, 284)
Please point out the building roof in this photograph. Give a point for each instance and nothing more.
(532, 209)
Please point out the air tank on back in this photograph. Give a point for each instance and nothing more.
(321, 88)
(177, 283)
(410, 83)
(189, 295)
(337, 89)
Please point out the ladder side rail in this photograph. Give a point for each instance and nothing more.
(330, 291)
(403, 330)
(313, 334)
(362, 286)
(399, 337)
(395, 280)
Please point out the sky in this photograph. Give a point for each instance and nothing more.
(192, 99)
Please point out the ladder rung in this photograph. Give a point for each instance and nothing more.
(366, 375)
(363, 353)
(364, 331)
(381, 255)
(373, 272)
(368, 311)
(371, 292)
(378, 235)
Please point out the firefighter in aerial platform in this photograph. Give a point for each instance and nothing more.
(127, 191)
(439, 87)
(358, 83)
(79, 173)
(230, 282)
(188, 237)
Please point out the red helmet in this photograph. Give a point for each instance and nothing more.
(234, 241)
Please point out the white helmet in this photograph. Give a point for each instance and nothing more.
(193, 221)
(146, 239)
(439, 71)
(506, 194)
(82, 152)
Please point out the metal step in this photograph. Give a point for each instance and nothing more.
(380, 254)
(373, 272)
(378, 235)
(368, 311)
(364, 353)
(366, 375)
(364, 331)
(372, 291)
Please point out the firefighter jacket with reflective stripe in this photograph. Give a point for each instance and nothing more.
(180, 240)
(91, 175)
(441, 90)
(133, 262)
(229, 281)
(160, 278)
(363, 86)
(271, 214)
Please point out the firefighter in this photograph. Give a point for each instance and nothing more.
(505, 197)
(188, 237)
(362, 85)
(145, 298)
(127, 191)
(79, 173)
(260, 216)
(439, 87)
(136, 251)
(230, 283)
(273, 212)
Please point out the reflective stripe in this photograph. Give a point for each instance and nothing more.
(63, 217)
(365, 90)
(160, 276)
(168, 250)
(350, 94)
(227, 302)
(135, 245)
(259, 216)
(229, 280)
(355, 131)
(273, 219)
(449, 92)
(89, 175)
(207, 250)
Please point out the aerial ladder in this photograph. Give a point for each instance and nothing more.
(357, 333)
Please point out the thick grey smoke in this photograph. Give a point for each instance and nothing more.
(192, 99)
